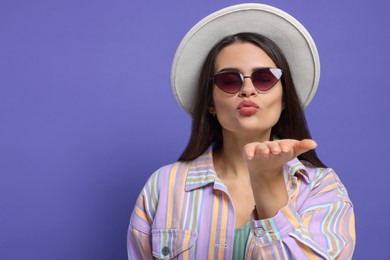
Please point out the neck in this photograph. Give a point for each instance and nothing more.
(229, 160)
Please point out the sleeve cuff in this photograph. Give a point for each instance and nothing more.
(276, 228)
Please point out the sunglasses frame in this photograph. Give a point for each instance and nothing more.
(274, 71)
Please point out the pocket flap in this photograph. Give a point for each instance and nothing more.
(168, 243)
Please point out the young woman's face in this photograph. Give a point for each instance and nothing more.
(248, 112)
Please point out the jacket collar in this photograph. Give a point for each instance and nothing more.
(202, 172)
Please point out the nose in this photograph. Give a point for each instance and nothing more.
(247, 87)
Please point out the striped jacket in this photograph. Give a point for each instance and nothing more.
(184, 212)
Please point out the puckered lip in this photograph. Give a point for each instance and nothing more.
(247, 103)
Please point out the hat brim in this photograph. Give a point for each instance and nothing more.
(290, 35)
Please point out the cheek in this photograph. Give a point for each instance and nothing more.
(220, 106)
(275, 103)
(220, 103)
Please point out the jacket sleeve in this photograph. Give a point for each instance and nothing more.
(316, 225)
(138, 244)
(139, 239)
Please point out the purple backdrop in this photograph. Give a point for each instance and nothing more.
(87, 114)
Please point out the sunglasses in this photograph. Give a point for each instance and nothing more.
(263, 79)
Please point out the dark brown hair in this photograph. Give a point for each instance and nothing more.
(206, 129)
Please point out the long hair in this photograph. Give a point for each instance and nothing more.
(206, 130)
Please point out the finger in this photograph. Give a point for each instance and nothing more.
(262, 149)
(255, 149)
(304, 146)
(286, 147)
(274, 147)
(249, 150)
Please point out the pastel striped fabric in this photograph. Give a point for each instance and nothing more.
(184, 212)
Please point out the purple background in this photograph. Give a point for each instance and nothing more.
(87, 114)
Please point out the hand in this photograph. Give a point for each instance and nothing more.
(265, 164)
(270, 156)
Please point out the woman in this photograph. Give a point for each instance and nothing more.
(249, 184)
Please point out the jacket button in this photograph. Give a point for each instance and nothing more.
(165, 251)
(259, 232)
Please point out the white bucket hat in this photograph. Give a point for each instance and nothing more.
(283, 29)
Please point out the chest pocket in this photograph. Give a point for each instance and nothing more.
(169, 243)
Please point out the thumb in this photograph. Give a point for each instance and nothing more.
(303, 146)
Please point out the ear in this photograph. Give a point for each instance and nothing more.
(212, 108)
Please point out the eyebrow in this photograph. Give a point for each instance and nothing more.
(229, 70)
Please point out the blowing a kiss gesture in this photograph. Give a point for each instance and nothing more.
(245, 87)
(265, 162)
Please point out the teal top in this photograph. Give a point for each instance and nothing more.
(240, 238)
